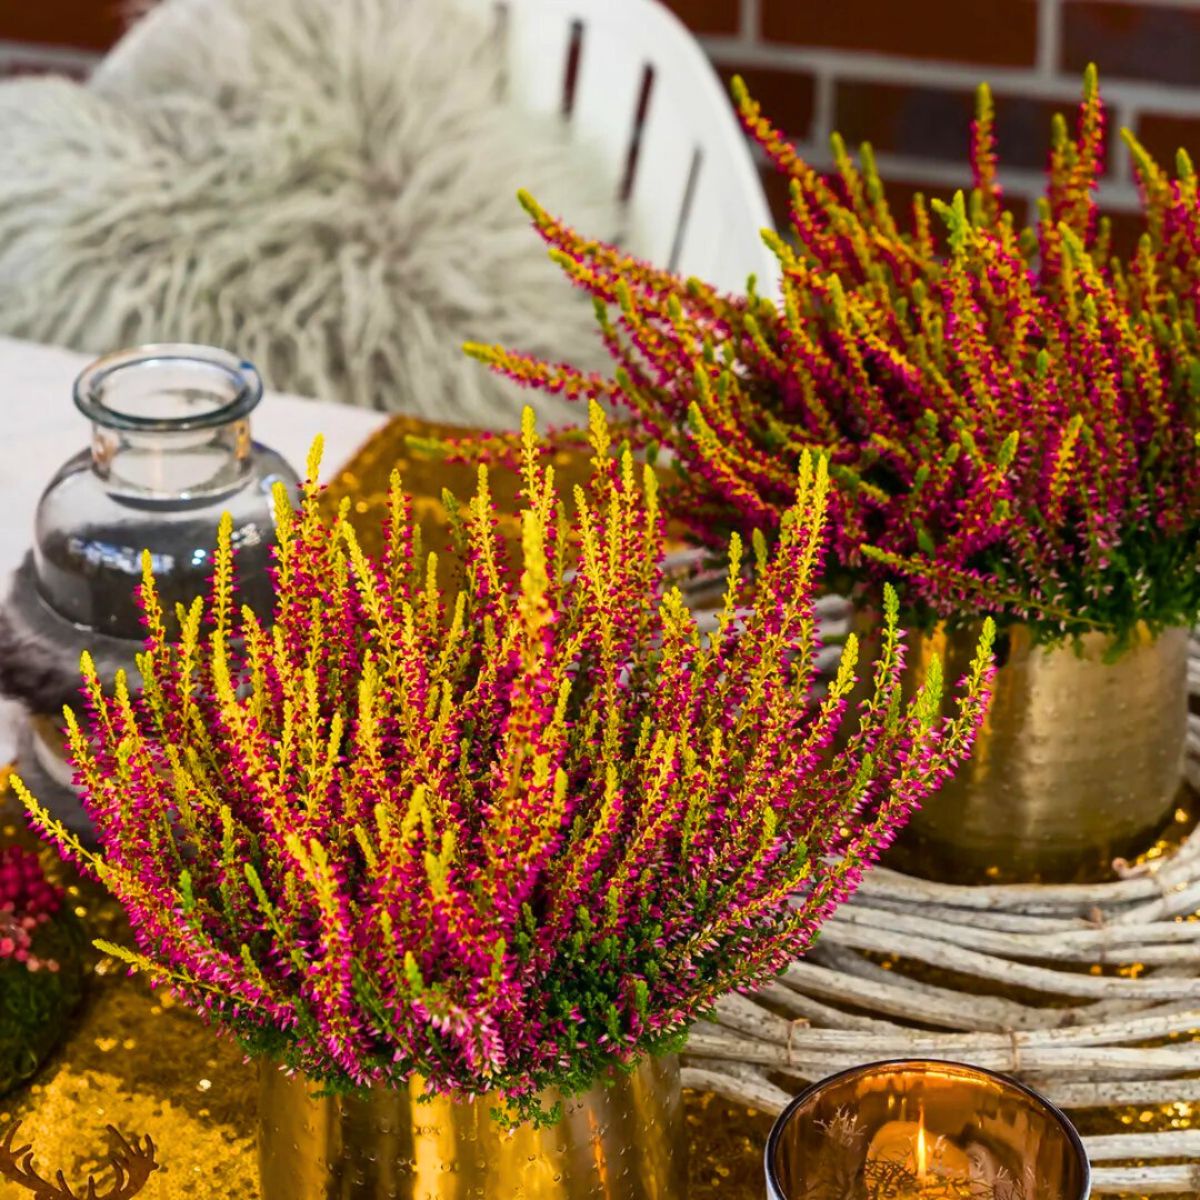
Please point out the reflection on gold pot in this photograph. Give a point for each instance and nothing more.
(1080, 758)
(623, 1141)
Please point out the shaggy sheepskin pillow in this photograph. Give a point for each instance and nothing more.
(324, 186)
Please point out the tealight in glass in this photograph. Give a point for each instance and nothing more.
(924, 1130)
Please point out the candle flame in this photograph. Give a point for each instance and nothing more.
(922, 1147)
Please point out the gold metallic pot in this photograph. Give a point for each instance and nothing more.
(1079, 760)
(621, 1142)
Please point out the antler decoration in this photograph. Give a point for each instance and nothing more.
(132, 1164)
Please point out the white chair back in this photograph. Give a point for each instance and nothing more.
(633, 82)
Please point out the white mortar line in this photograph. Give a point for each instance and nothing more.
(1049, 37)
(750, 22)
(1120, 161)
(63, 56)
(823, 115)
(852, 65)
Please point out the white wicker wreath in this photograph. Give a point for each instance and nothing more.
(1085, 1049)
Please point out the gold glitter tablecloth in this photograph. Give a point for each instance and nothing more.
(134, 1059)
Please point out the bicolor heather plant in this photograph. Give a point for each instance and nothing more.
(502, 838)
(1011, 416)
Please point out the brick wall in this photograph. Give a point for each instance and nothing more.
(66, 36)
(901, 74)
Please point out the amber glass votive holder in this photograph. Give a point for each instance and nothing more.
(924, 1130)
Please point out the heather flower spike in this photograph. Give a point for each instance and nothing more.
(1010, 415)
(503, 837)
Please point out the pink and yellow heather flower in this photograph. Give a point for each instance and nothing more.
(1011, 416)
(503, 836)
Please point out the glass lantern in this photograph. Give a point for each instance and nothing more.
(171, 452)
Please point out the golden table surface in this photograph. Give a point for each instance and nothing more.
(134, 1059)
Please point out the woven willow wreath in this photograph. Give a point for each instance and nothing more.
(1079, 1036)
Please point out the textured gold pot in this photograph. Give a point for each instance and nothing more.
(622, 1142)
(1079, 759)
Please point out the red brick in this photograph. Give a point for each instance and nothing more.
(1127, 228)
(927, 122)
(776, 187)
(84, 24)
(1133, 40)
(786, 96)
(708, 16)
(1000, 32)
(1163, 134)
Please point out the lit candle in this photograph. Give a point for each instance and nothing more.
(924, 1130)
(922, 1155)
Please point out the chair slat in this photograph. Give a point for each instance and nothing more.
(689, 115)
(606, 97)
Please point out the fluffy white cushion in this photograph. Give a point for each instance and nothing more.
(324, 186)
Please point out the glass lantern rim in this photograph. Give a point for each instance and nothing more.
(770, 1152)
(89, 387)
